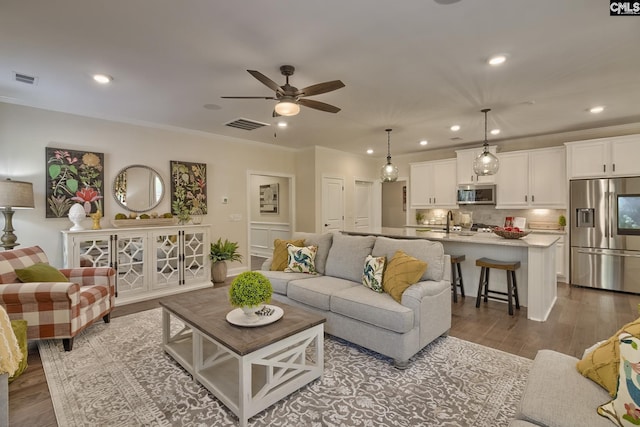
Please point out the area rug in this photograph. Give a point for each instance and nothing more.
(118, 375)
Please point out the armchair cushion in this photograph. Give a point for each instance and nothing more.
(40, 272)
(20, 258)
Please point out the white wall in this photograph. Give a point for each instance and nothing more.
(26, 131)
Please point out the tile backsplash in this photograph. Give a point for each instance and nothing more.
(492, 216)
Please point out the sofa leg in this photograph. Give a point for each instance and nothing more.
(400, 364)
(107, 318)
(67, 343)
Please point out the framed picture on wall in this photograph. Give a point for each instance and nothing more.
(73, 177)
(188, 188)
(269, 198)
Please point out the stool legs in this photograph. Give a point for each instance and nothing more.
(512, 289)
(482, 284)
(454, 285)
(460, 279)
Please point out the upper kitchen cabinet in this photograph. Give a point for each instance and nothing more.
(433, 184)
(532, 179)
(465, 159)
(605, 157)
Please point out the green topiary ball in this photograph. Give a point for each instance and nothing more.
(250, 289)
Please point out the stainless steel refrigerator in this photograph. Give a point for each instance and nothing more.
(605, 233)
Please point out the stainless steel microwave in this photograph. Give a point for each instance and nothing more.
(477, 194)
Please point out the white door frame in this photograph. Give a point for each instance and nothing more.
(372, 200)
(321, 219)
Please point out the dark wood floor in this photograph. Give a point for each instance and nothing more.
(580, 318)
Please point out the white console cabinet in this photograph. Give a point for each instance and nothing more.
(150, 261)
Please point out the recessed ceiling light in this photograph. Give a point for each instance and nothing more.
(497, 60)
(495, 131)
(282, 124)
(424, 142)
(597, 109)
(455, 128)
(369, 151)
(102, 78)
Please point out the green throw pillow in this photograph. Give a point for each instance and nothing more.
(20, 330)
(40, 272)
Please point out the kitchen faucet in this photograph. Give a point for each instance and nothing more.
(449, 218)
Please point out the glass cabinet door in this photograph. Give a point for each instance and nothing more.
(166, 249)
(196, 257)
(131, 256)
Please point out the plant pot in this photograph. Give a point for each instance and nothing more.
(218, 271)
(250, 312)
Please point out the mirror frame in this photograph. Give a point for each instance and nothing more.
(113, 189)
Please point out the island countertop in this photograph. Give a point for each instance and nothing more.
(531, 241)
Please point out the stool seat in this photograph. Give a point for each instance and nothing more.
(510, 268)
(456, 276)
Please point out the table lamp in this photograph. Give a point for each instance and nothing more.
(18, 195)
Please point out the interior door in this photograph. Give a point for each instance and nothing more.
(332, 204)
(363, 206)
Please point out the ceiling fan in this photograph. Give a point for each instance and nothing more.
(289, 97)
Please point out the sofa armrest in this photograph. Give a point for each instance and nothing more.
(420, 290)
(87, 276)
(266, 265)
(35, 292)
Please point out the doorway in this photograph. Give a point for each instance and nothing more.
(332, 204)
(394, 204)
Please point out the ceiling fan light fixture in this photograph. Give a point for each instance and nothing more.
(389, 171)
(486, 163)
(287, 107)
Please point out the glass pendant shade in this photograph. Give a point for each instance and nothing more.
(486, 163)
(287, 107)
(389, 172)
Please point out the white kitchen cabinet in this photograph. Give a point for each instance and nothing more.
(532, 179)
(433, 184)
(562, 255)
(465, 173)
(604, 157)
(149, 261)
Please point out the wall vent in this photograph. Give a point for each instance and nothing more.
(23, 78)
(245, 124)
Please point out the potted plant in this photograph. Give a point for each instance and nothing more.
(249, 290)
(219, 253)
(419, 217)
(562, 222)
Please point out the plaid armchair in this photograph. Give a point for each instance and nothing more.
(55, 309)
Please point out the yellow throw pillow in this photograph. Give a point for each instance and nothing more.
(602, 364)
(401, 272)
(280, 254)
(40, 272)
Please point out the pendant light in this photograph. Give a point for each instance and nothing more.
(389, 172)
(486, 163)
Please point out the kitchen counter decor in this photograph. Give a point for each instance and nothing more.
(508, 233)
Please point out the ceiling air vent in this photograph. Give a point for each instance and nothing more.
(245, 124)
(23, 78)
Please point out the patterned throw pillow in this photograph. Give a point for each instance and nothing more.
(401, 272)
(280, 255)
(372, 276)
(301, 259)
(624, 409)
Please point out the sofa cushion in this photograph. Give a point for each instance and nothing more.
(372, 274)
(402, 271)
(40, 272)
(622, 410)
(280, 280)
(430, 252)
(322, 241)
(19, 258)
(317, 291)
(380, 310)
(280, 255)
(556, 395)
(347, 255)
(301, 259)
(601, 364)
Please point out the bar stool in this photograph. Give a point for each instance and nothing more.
(512, 286)
(456, 276)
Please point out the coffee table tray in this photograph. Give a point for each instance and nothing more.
(238, 318)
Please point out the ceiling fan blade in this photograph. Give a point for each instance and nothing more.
(247, 97)
(318, 105)
(320, 88)
(266, 81)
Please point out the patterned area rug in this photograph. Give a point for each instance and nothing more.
(118, 375)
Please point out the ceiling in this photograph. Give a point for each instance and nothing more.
(416, 66)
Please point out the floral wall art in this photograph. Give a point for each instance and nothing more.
(188, 189)
(74, 177)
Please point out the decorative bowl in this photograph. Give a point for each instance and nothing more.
(510, 234)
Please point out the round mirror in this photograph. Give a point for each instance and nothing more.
(138, 188)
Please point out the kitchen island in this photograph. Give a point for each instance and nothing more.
(536, 277)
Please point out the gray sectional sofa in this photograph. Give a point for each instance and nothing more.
(557, 395)
(358, 314)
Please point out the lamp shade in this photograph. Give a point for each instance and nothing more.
(287, 107)
(16, 194)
